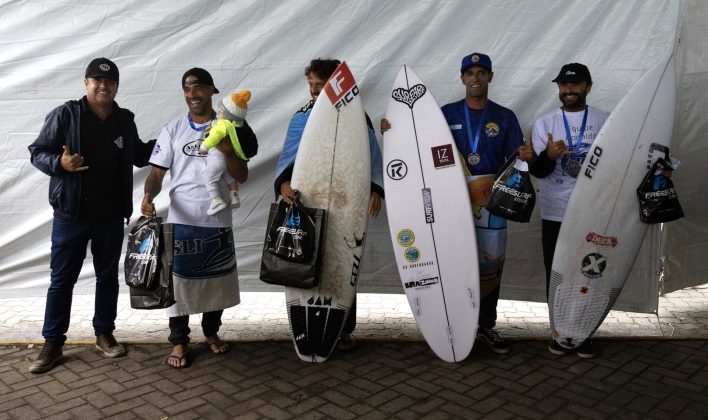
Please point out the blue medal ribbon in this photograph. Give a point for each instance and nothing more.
(202, 128)
(574, 145)
(474, 143)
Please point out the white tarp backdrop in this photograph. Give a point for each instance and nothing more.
(264, 46)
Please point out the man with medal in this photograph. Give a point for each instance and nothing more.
(561, 140)
(486, 135)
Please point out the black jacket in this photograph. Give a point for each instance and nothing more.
(62, 127)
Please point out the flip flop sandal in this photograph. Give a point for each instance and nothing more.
(219, 343)
(181, 357)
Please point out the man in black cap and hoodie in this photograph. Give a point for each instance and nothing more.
(88, 147)
(561, 140)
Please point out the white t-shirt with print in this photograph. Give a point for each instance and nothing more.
(555, 189)
(177, 149)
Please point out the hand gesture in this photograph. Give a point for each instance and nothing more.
(526, 152)
(72, 163)
(556, 148)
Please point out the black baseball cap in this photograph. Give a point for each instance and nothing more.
(203, 78)
(102, 67)
(573, 72)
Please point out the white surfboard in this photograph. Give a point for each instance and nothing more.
(601, 231)
(430, 219)
(332, 171)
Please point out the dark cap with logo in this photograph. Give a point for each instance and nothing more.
(203, 78)
(573, 72)
(102, 67)
(476, 59)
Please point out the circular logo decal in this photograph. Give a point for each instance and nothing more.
(491, 129)
(405, 237)
(396, 169)
(593, 265)
(474, 58)
(104, 67)
(412, 254)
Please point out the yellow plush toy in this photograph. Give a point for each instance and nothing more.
(231, 114)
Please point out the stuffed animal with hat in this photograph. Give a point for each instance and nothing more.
(231, 114)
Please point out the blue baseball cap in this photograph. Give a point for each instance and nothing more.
(476, 59)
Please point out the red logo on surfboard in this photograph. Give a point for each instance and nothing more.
(601, 240)
(341, 87)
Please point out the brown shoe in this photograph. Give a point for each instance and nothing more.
(109, 346)
(49, 356)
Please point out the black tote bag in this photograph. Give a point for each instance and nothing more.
(513, 196)
(293, 245)
(153, 291)
(658, 201)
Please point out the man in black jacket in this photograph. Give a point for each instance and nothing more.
(88, 147)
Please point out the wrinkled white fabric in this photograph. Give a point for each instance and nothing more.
(265, 45)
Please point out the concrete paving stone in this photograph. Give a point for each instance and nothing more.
(62, 407)
(305, 404)
(459, 411)
(7, 406)
(335, 412)
(26, 413)
(272, 412)
(521, 411)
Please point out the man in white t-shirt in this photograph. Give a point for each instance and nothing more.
(204, 268)
(561, 139)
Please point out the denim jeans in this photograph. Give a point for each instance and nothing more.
(69, 242)
(179, 326)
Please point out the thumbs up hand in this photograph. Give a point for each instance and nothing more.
(526, 152)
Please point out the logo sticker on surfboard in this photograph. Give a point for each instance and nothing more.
(426, 282)
(409, 96)
(428, 206)
(412, 254)
(405, 237)
(397, 169)
(443, 156)
(601, 240)
(341, 87)
(593, 265)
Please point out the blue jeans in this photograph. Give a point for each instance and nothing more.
(69, 241)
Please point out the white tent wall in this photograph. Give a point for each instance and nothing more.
(265, 45)
(684, 243)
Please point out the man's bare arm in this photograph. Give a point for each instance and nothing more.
(153, 186)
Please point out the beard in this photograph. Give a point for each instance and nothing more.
(573, 101)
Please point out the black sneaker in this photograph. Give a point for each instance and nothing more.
(109, 346)
(492, 338)
(557, 349)
(49, 356)
(586, 350)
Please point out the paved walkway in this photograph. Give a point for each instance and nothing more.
(262, 316)
(662, 372)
